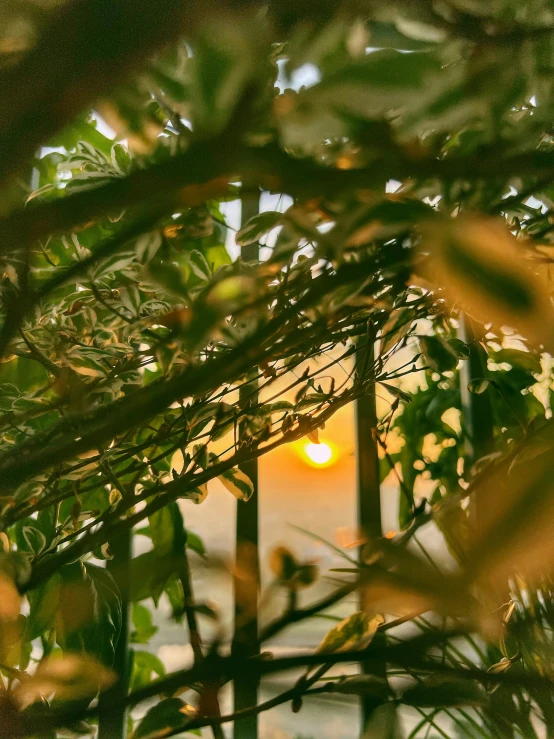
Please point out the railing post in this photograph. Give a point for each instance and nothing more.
(112, 714)
(247, 574)
(368, 494)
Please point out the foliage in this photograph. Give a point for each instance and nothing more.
(140, 361)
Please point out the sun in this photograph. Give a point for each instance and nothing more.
(319, 455)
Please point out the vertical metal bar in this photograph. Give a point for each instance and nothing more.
(112, 714)
(477, 417)
(368, 496)
(247, 574)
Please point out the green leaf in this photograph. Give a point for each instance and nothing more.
(165, 716)
(226, 58)
(396, 391)
(82, 130)
(35, 539)
(216, 257)
(195, 543)
(405, 506)
(478, 385)
(237, 483)
(150, 573)
(43, 604)
(384, 723)
(108, 613)
(170, 277)
(89, 613)
(355, 632)
(87, 360)
(516, 358)
(460, 347)
(281, 405)
(113, 264)
(439, 354)
(143, 629)
(199, 265)
(396, 328)
(145, 664)
(375, 84)
(147, 245)
(368, 685)
(258, 226)
(121, 159)
(443, 692)
(162, 530)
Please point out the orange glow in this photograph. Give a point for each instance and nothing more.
(319, 455)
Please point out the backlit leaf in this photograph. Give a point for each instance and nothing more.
(355, 632)
(258, 226)
(237, 483)
(482, 267)
(69, 678)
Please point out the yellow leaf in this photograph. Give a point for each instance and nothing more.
(10, 600)
(68, 678)
(237, 483)
(482, 267)
(513, 531)
(199, 494)
(354, 632)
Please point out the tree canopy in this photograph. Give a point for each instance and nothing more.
(144, 345)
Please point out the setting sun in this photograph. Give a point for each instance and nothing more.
(319, 455)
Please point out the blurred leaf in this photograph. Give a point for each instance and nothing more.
(89, 611)
(195, 543)
(376, 84)
(283, 563)
(258, 226)
(43, 601)
(482, 267)
(70, 678)
(516, 511)
(384, 723)
(10, 599)
(444, 692)
(170, 277)
(223, 65)
(369, 685)
(452, 520)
